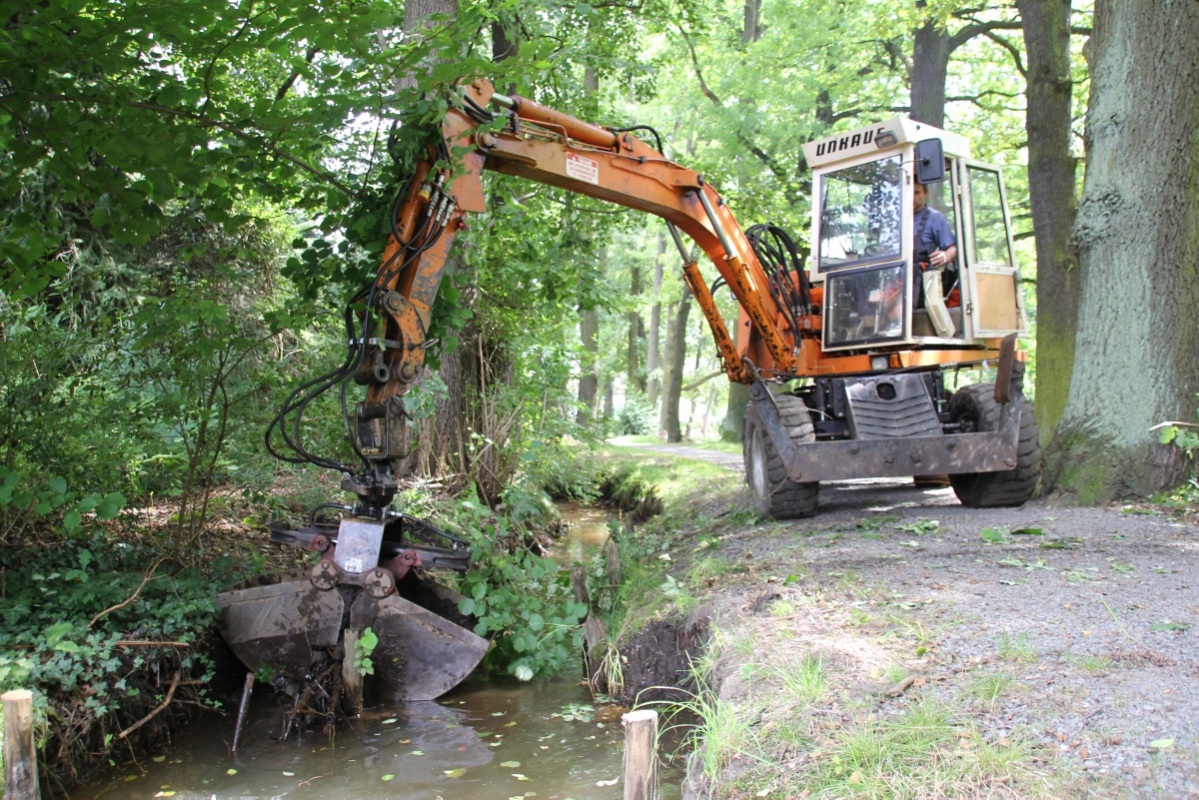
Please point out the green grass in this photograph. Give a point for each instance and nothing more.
(720, 446)
(1016, 649)
(923, 752)
(802, 681)
(714, 445)
(992, 686)
(1089, 663)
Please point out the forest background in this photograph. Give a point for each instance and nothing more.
(192, 192)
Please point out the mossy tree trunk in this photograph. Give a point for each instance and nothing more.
(1051, 182)
(676, 354)
(1136, 356)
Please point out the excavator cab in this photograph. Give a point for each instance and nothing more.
(863, 234)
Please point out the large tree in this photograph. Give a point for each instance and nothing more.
(1051, 184)
(1136, 354)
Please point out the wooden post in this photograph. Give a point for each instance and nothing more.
(640, 754)
(20, 759)
(351, 681)
(246, 691)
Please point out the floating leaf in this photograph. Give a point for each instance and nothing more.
(418, 752)
(498, 713)
(509, 764)
(231, 771)
(612, 782)
(1161, 744)
(1028, 532)
(287, 774)
(455, 773)
(390, 721)
(388, 777)
(159, 759)
(520, 777)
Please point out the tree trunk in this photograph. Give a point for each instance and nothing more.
(677, 349)
(438, 449)
(752, 31)
(930, 67)
(1051, 183)
(588, 317)
(734, 412)
(653, 355)
(636, 375)
(589, 374)
(1136, 358)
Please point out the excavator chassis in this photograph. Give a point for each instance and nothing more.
(290, 626)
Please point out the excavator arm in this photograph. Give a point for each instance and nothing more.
(540, 144)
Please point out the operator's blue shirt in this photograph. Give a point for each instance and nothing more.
(934, 233)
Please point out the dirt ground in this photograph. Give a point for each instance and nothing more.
(1072, 628)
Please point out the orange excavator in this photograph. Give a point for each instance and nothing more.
(847, 356)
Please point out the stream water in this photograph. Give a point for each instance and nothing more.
(483, 741)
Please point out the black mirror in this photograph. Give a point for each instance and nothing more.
(930, 161)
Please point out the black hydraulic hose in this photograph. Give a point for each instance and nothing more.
(779, 256)
(633, 128)
(288, 421)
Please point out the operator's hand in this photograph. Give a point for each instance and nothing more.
(938, 258)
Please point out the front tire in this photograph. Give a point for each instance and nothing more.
(772, 493)
(975, 405)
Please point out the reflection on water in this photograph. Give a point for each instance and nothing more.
(483, 741)
(587, 533)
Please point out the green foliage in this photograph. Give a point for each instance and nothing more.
(25, 502)
(1186, 437)
(522, 600)
(364, 645)
(636, 417)
(626, 488)
(91, 671)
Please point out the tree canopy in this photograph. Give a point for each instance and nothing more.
(191, 190)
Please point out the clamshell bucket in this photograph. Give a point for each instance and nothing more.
(292, 626)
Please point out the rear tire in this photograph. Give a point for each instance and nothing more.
(976, 406)
(771, 492)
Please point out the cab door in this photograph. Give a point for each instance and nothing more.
(992, 296)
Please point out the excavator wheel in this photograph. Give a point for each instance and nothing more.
(976, 406)
(772, 493)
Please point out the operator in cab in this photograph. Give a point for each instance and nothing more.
(934, 248)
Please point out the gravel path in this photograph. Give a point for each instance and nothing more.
(1092, 613)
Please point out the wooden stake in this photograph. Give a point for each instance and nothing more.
(20, 759)
(351, 681)
(640, 754)
(246, 690)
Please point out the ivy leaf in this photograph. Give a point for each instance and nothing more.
(110, 506)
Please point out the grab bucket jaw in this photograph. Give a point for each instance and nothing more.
(287, 626)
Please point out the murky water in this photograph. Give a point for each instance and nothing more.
(483, 741)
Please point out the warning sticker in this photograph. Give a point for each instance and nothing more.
(582, 169)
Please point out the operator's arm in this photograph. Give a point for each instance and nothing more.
(944, 256)
(943, 238)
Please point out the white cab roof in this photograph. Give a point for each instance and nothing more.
(881, 136)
